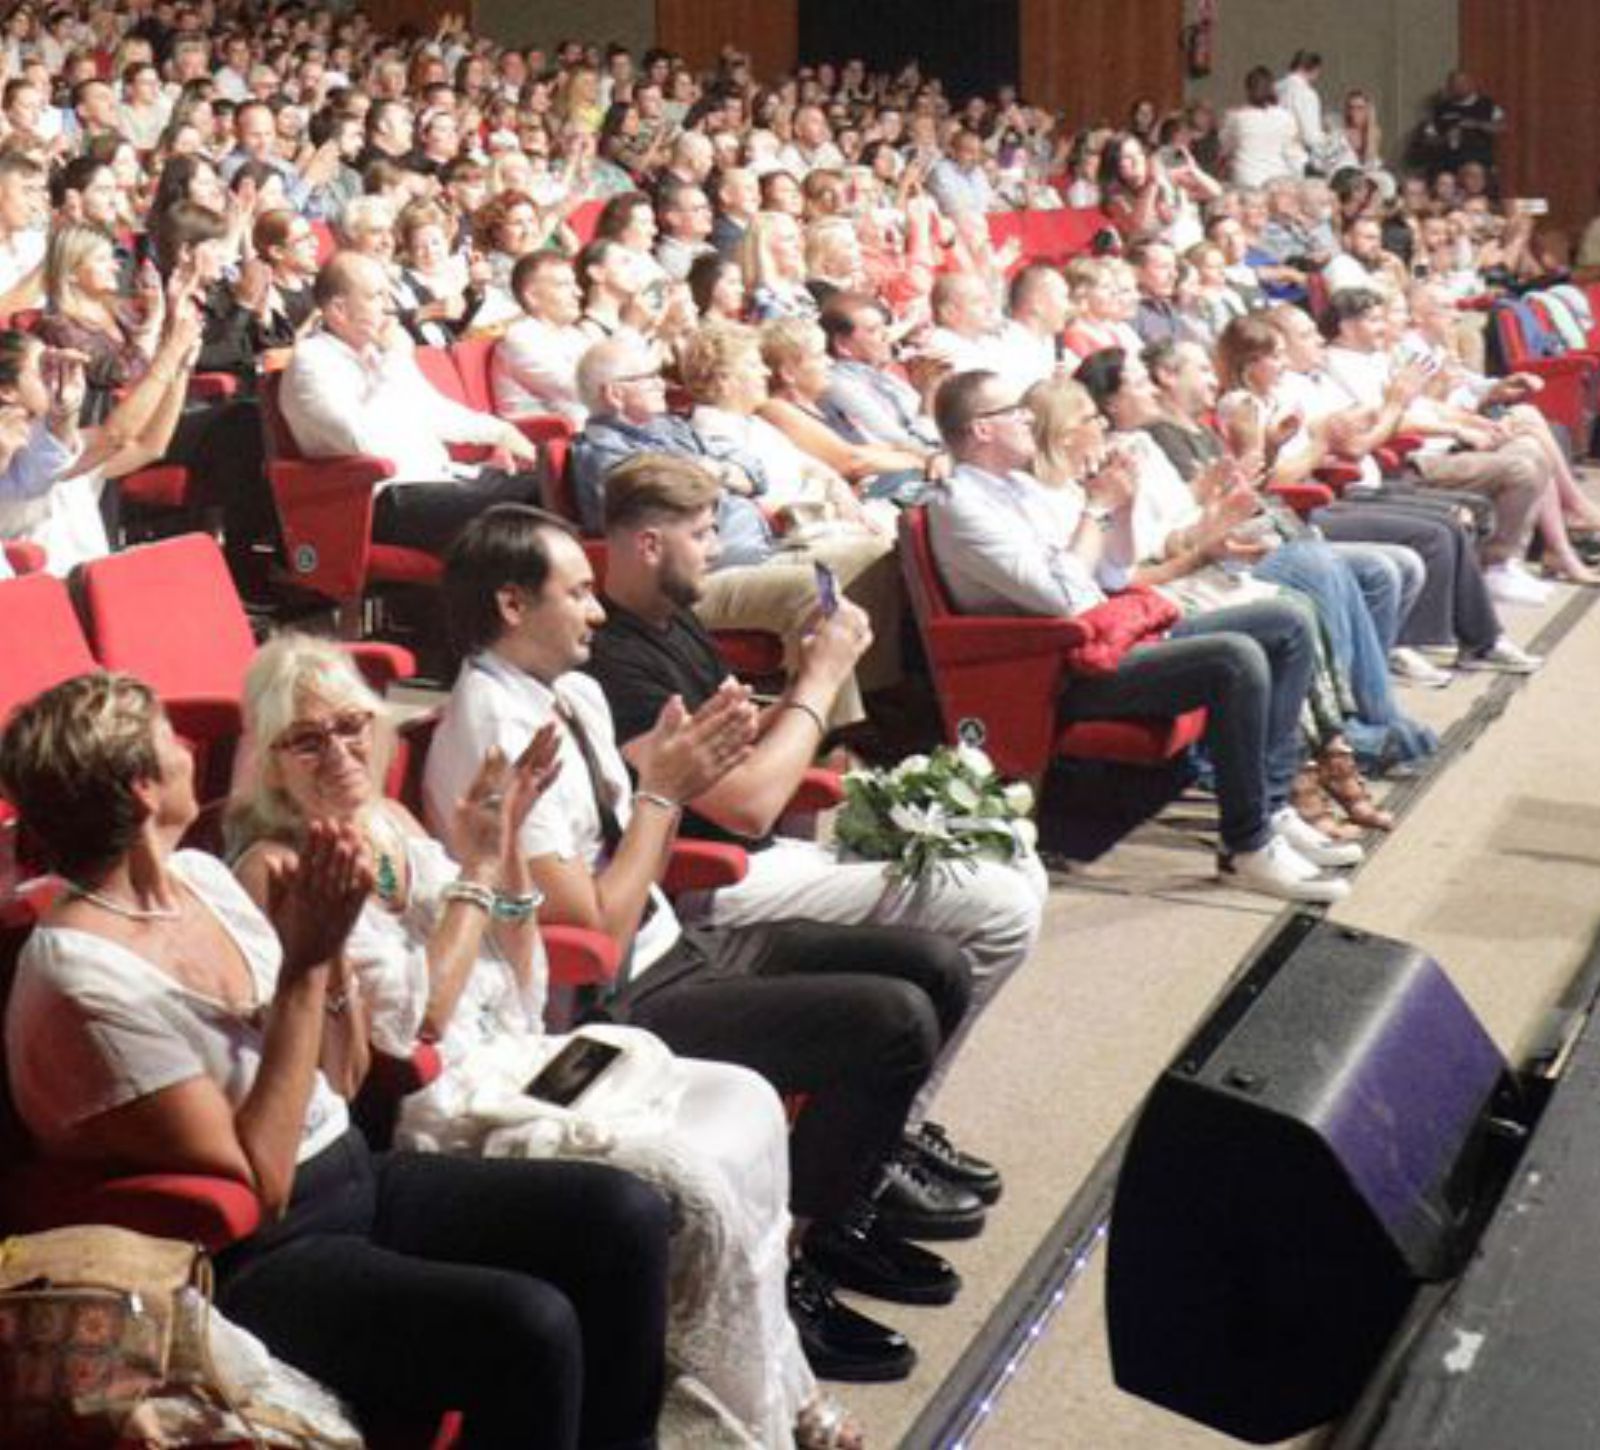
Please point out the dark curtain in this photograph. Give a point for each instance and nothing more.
(970, 44)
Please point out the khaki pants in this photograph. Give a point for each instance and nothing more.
(1515, 476)
(781, 595)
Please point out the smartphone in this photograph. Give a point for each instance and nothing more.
(572, 1071)
(827, 590)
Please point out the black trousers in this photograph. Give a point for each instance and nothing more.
(850, 1017)
(430, 515)
(531, 1296)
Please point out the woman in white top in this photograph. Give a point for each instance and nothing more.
(160, 1024)
(451, 953)
(1260, 139)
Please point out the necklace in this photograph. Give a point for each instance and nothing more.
(121, 908)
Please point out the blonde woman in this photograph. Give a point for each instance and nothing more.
(87, 313)
(774, 264)
(448, 950)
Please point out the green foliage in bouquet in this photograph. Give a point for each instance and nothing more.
(935, 812)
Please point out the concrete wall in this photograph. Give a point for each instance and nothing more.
(1398, 51)
(631, 22)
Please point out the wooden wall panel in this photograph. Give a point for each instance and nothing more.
(1539, 59)
(1094, 58)
(768, 30)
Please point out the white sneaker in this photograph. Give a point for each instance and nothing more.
(1311, 844)
(1505, 656)
(1509, 585)
(1278, 870)
(1406, 664)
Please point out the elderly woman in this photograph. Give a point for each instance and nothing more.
(798, 374)
(726, 376)
(431, 961)
(435, 293)
(206, 1039)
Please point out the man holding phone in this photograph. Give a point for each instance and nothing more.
(662, 545)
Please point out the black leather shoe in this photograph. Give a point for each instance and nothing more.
(840, 1344)
(856, 1253)
(932, 1145)
(915, 1204)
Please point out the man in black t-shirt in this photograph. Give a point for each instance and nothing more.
(1464, 125)
(662, 541)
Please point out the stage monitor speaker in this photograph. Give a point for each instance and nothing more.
(1311, 1155)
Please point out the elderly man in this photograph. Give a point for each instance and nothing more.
(353, 386)
(1005, 546)
(966, 325)
(535, 367)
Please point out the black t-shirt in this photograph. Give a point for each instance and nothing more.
(641, 667)
(1471, 141)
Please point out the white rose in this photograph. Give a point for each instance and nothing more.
(1019, 798)
(975, 760)
(911, 765)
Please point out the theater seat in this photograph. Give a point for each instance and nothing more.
(169, 613)
(1005, 676)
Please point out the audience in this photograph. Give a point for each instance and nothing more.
(169, 179)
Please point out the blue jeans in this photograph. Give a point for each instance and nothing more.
(1358, 604)
(1249, 667)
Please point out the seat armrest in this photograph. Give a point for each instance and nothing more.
(703, 866)
(579, 957)
(995, 639)
(215, 1212)
(819, 790)
(1303, 498)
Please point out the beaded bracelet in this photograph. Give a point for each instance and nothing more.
(471, 893)
(516, 909)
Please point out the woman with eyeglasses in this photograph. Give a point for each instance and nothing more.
(204, 1038)
(448, 951)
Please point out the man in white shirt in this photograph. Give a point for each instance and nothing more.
(812, 148)
(1364, 262)
(535, 366)
(354, 386)
(684, 214)
(853, 1017)
(232, 78)
(966, 330)
(1510, 469)
(24, 208)
(1004, 547)
(1030, 347)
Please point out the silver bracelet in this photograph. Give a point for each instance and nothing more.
(665, 802)
(471, 893)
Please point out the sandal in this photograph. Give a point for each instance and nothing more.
(1310, 802)
(1339, 775)
(825, 1424)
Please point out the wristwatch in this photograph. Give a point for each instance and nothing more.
(1101, 516)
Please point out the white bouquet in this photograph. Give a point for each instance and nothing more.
(936, 812)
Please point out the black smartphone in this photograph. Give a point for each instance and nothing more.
(827, 590)
(572, 1071)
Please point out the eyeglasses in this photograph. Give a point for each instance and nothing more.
(309, 741)
(1005, 410)
(653, 376)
